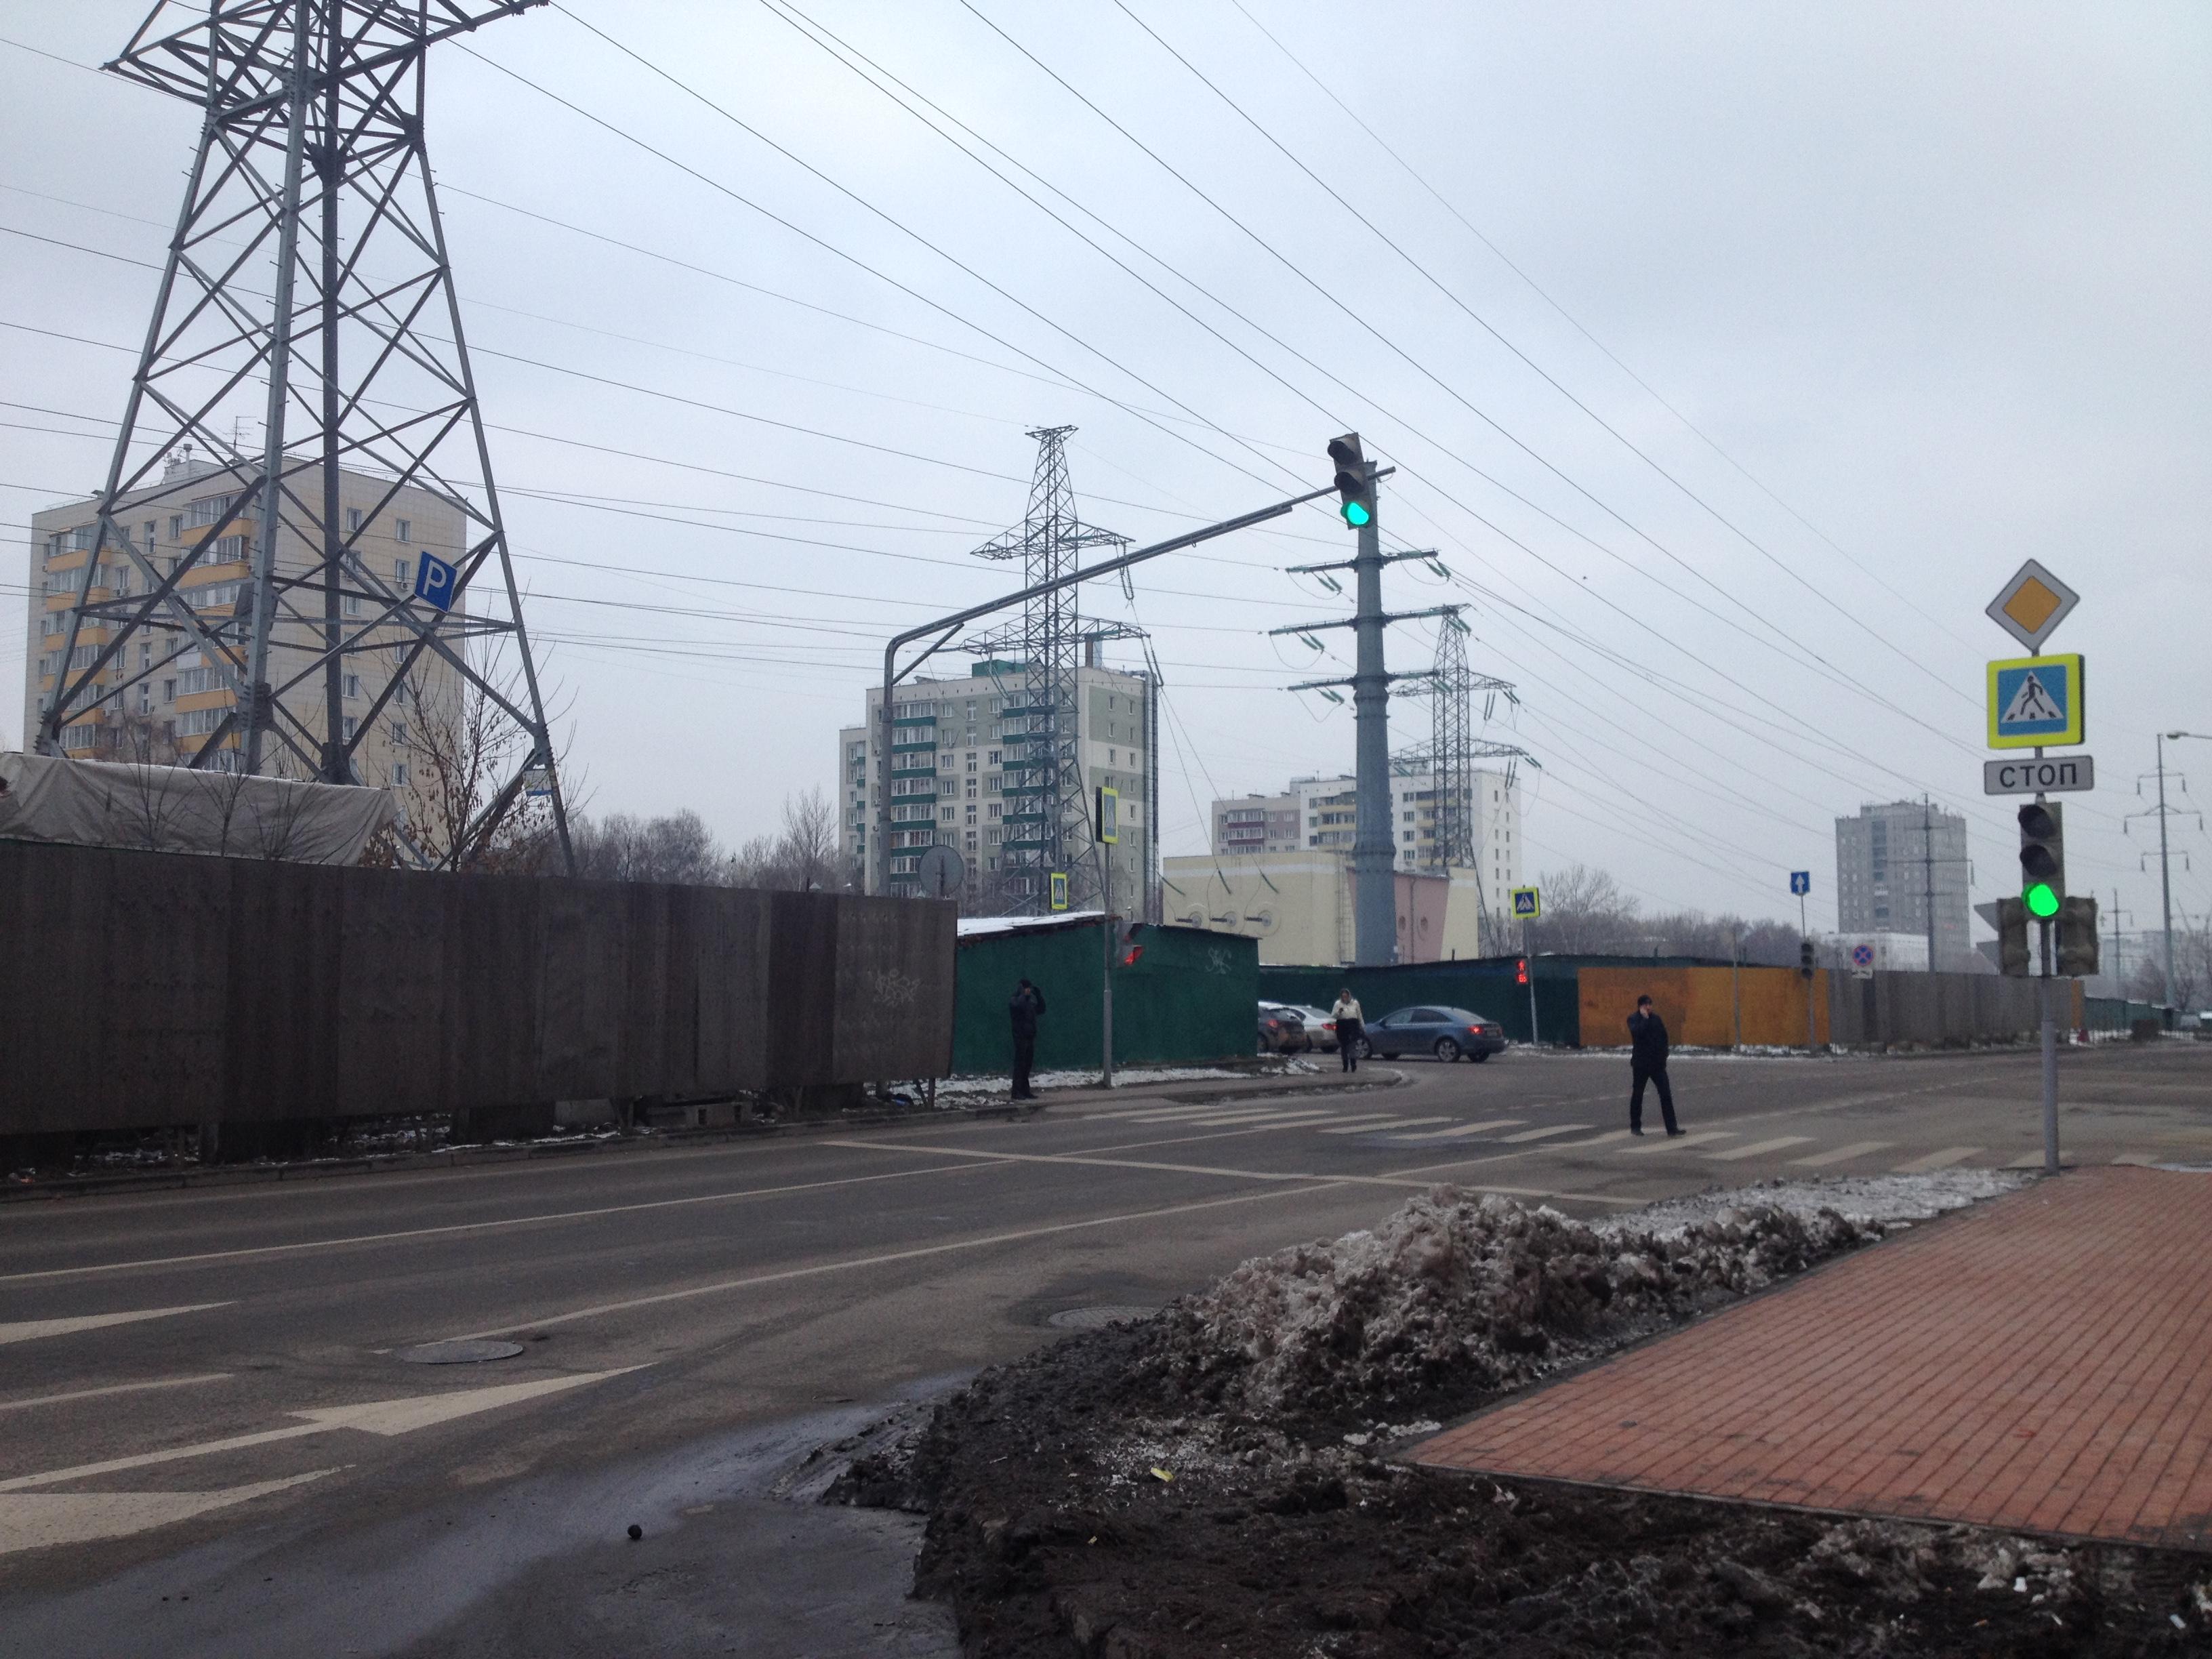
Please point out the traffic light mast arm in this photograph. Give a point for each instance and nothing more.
(946, 627)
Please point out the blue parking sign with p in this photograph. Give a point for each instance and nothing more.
(1801, 882)
(434, 582)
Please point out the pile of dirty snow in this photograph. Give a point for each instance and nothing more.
(1456, 1295)
(1887, 1199)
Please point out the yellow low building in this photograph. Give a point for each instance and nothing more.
(1298, 906)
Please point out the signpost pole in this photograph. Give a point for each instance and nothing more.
(1805, 932)
(1102, 836)
(1531, 961)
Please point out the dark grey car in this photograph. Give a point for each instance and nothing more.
(1447, 1033)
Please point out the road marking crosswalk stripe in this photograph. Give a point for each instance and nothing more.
(1463, 1131)
(1839, 1154)
(1259, 1120)
(1543, 1134)
(1759, 1146)
(1942, 1160)
(1385, 1123)
(1655, 1142)
(1605, 1139)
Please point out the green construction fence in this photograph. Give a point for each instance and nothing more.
(1190, 996)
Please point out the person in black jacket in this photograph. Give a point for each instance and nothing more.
(1647, 1063)
(1028, 1005)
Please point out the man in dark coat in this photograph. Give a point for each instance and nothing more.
(1024, 1012)
(1647, 1063)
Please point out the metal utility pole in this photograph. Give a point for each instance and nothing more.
(2165, 860)
(943, 629)
(1928, 874)
(1042, 736)
(1374, 852)
(311, 130)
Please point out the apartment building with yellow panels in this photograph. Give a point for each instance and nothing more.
(171, 709)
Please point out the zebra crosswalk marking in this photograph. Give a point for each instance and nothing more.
(1942, 1160)
(1758, 1146)
(1542, 1134)
(1462, 1131)
(1605, 1139)
(1386, 1123)
(1655, 1142)
(1258, 1118)
(1839, 1154)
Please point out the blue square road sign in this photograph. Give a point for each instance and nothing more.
(1801, 882)
(434, 582)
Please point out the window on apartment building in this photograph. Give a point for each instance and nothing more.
(403, 528)
(353, 604)
(347, 727)
(168, 690)
(176, 525)
(353, 685)
(149, 535)
(399, 773)
(353, 519)
(944, 815)
(399, 733)
(402, 573)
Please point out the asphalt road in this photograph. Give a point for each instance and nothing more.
(210, 1442)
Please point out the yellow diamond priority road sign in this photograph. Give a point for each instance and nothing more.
(2032, 604)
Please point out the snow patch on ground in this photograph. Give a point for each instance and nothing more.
(1887, 1199)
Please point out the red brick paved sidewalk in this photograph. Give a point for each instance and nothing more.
(2041, 1362)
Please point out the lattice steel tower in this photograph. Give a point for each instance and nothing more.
(308, 270)
(1453, 746)
(1046, 818)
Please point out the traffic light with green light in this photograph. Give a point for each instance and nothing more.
(1355, 490)
(2041, 858)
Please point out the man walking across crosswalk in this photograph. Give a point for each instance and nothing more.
(1647, 1063)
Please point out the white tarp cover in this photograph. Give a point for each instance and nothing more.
(172, 808)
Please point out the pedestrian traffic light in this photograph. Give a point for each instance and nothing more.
(2013, 959)
(2041, 858)
(2077, 937)
(1521, 971)
(1355, 490)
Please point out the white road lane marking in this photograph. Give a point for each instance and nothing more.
(1654, 1141)
(1605, 1139)
(1461, 1133)
(42, 1520)
(1543, 1134)
(1840, 1154)
(1262, 1119)
(29, 1330)
(112, 1388)
(1942, 1160)
(384, 1416)
(1385, 1123)
(1759, 1146)
(406, 1234)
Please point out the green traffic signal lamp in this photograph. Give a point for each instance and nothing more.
(1355, 490)
(2041, 858)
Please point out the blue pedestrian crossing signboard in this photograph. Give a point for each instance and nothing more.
(1528, 904)
(2036, 701)
(1801, 882)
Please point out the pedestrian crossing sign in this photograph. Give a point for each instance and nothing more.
(1528, 904)
(2036, 701)
(1059, 885)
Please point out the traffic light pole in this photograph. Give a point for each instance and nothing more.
(1531, 961)
(1374, 849)
(2048, 1035)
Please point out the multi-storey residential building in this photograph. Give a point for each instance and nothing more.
(950, 755)
(1319, 812)
(1257, 824)
(170, 709)
(1901, 868)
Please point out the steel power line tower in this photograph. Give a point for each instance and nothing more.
(1047, 824)
(309, 269)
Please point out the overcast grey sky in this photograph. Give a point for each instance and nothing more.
(1933, 275)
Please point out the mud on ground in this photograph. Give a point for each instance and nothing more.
(1216, 1480)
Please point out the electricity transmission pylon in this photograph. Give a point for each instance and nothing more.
(1046, 819)
(308, 268)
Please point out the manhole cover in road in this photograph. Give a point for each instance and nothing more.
(1091, 1319)
(462, 1352)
